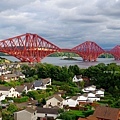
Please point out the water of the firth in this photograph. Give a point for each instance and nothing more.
(79, 62)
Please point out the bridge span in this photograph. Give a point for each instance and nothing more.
(33, 48)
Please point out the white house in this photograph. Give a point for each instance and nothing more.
(100, 92)
(47, 113)
(71, 102)
(93, 97)
(8, 91)
(83, 98)
(53, 101)
(2, 97)
(42, 84)
(89, 88)
(77, 78)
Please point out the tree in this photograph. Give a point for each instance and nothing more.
(82, 83)
(7, 115)
(32, 94)
(43, 101)
(12, 108)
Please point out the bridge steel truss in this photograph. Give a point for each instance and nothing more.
(33, 48)
(28, 47)
(115, 52)
(89, 51)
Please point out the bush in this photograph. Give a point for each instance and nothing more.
(87, 113)
(20, 100)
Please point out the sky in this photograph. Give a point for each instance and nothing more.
(65, 23)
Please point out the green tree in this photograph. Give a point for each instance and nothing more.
(12, 108)
(43, 101)
(32, 94)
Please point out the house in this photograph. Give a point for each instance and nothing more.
(83, 98)
(76, 100)
(8, 91)
(3, 67)
(53, 101)
(12, 77)
(93, 97)
(107, 113)
(19, 74)
(28, 114)
(100, 92)
(21, 89)
(3, 72)
(2, 97)
(91, 117)
(77, 78)
(89, 88)
(29, 86)
(42, 84)
(71, 102)
(9, 77)
(16, 65)
(47, 113)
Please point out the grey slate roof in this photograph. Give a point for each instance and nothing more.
(5, 88)
(47, 110)
(38, 83)
(41, 82)
(57, 97)
(31, 110)
(20, 88)
(29, 85)
(10, 75)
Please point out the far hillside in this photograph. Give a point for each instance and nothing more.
(70, 55)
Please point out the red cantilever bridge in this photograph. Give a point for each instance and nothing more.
(33, 48)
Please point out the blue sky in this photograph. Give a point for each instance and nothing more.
(65, 23)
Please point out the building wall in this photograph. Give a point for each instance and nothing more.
(82, 98)
(101, 93)
(71, 102)
(13, 93)
(90, 88)
(24, 115)
(41, 115)
(53, 101)
(10, 93)
(4, 92)
(77, 80)
(41, 87)
(93, 99)
(2, 97)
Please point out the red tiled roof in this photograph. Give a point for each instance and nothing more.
(106, 112)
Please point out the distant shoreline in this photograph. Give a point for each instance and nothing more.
(69, 59)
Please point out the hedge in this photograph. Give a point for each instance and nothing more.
(20, 100)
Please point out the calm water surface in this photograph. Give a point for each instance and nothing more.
(79, 62)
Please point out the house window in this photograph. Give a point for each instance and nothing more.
(58, 103)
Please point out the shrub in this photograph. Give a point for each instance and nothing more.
(20, 100)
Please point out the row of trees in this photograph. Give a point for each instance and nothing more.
(102, 75)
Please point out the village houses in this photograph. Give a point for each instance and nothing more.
(90, 95)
